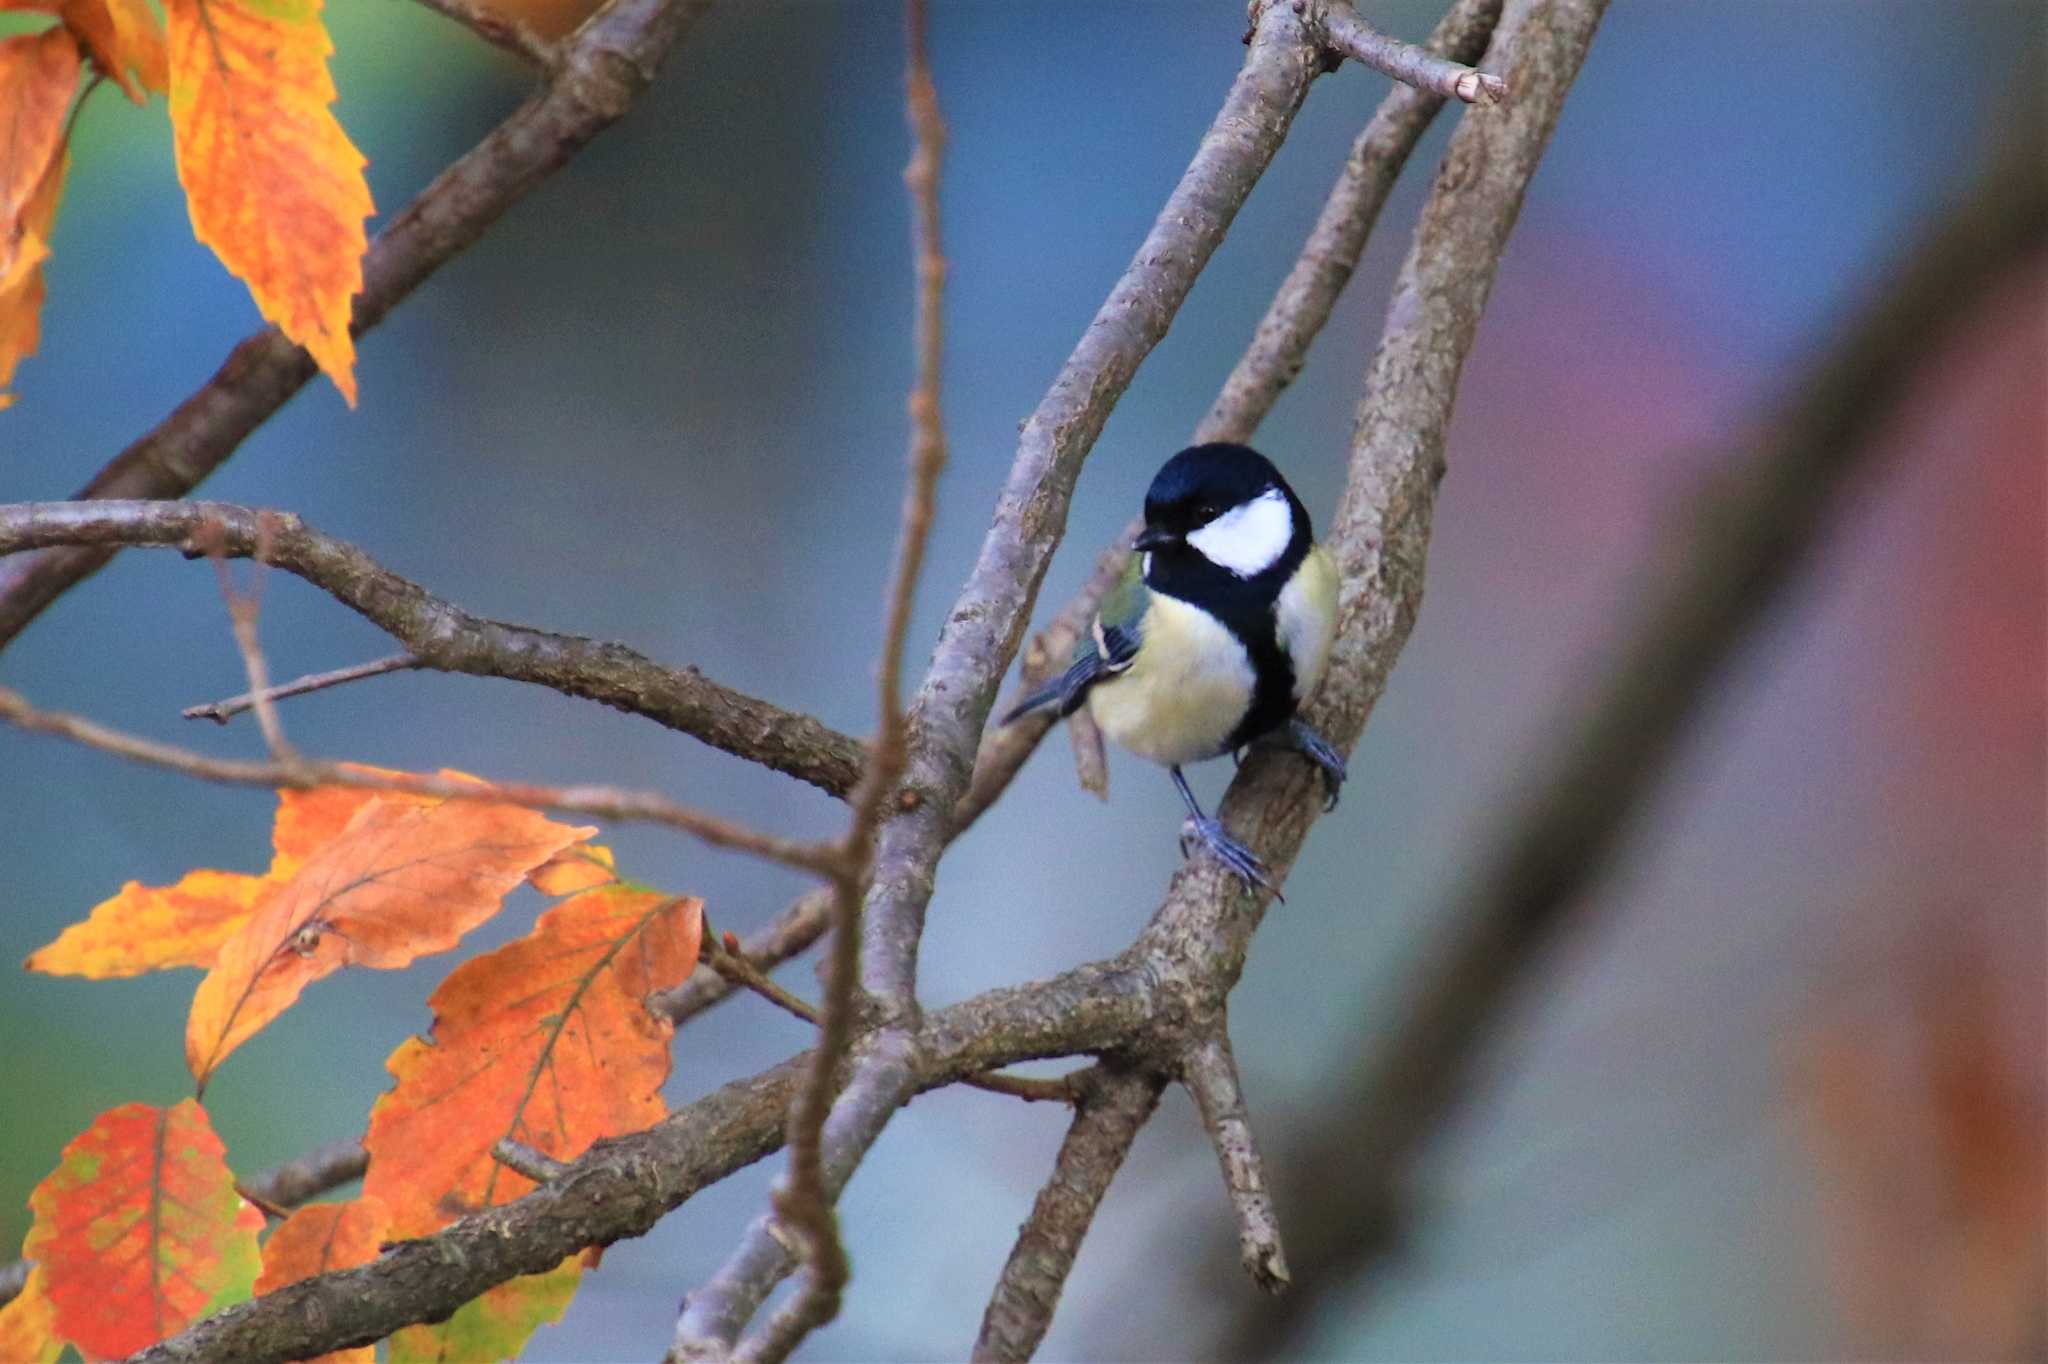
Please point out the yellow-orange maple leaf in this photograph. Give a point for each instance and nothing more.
(38, 73)
(321, 1237)
(28, 1325)
(153, 928)
(274, 185)
(403, 879)
(139, 1231)
(546, 1040)
(575, 869)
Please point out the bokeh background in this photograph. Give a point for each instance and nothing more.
(1779, 1097)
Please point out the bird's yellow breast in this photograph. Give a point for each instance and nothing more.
(1184, 692)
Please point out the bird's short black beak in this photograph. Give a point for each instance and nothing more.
(1152, 537)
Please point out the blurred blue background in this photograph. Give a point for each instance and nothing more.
(662, 402)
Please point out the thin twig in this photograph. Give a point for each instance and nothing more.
(799, 925)
(446, 638)
(1353, 37)
(301, 773)
(1060, 1090)
(497, 29)
(604, 66)
(1112, 1107)
(538, 1166)
(730, 961)
(245, 607)
(220, 712)
(803, 1203)
(1210, 1074)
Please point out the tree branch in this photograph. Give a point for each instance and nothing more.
(1307, 297)
(621, 1187)
(220, 712)
(446, 638)
(603, 67)
(783, 937)
(1747, 545)
(497, 30)
(1113, 1106)
(1351, 36)
(1210, 1074)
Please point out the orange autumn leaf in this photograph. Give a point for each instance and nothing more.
(575, 869)
(546, 1040)
(123, 36)
(405, 878)
(28, 1325)
(153, 928)
(274, 185)
(38, 74)
(318, 1238)
(139, 1231)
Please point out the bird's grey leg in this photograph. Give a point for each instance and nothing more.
(1242, 861)
(1317, 750)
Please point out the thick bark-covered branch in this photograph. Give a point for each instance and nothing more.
(1752, 535)
(444, 637)
(601, 69)
(622, 1187)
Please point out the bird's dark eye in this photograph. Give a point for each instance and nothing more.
(1208, 511)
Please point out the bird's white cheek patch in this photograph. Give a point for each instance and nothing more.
(1248, 539)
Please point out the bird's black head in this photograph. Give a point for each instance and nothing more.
(1225, 505)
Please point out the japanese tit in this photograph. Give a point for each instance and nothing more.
(1218, 631)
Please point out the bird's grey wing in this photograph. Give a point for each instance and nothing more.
(1106, 651)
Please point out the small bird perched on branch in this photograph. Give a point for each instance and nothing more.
(1218, 631)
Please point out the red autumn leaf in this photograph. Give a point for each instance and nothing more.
(28, 1325)
(405, 878)
(318, 1238)
(547, 1041)
(139, 1231)
(274, 184)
